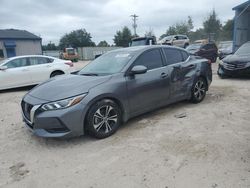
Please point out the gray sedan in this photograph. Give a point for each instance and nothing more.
(115, 87)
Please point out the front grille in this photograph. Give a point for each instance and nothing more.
(234, 66)
(26, 107)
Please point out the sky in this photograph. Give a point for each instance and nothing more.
(51, 19)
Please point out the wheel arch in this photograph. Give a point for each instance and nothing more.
(57, 70)
(108, 97)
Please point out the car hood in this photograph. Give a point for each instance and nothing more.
(62, 87)
(237, 58)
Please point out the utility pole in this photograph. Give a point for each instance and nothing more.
(134, 25)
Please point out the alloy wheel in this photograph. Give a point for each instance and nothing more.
(105, 118)
(199, 90)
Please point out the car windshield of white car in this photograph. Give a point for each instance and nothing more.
(109, 63)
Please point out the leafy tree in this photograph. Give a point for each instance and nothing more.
(76, 38)
(50, 46)
(123, 38)
(227, 30)
(183, 27)
(212, 24)
(103, 44)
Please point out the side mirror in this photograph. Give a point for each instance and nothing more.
(138, 69)
(3, 67)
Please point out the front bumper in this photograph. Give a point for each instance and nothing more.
(222, 71)
(65, 123)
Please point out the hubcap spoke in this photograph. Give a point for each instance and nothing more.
(107, 127)
(99, 126)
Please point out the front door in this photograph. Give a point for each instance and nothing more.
(146, 91)
(17, 74)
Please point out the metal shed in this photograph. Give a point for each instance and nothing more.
(241, 24)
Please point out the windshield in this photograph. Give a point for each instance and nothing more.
(71, 51)
(194, 47)
(244, 49)
(139, 42)
(109, 63)
(3, 61)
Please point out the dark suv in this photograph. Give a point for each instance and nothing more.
(208, 51)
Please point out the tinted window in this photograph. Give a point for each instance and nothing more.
(184, 55)
(1, 53)
(173, 55)
(38, 60)
(21, 62)
(150, 59)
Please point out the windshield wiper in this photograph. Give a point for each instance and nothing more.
(89, 74)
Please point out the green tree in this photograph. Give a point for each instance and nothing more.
(103, 44)
(76, 38)
(50, 46)
(212, 25)
(123, 38)
(227, 30)
(183, 27)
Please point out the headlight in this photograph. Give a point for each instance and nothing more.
(65, 103)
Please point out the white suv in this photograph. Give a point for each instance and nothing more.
(175, 40)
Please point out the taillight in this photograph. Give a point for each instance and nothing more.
(69, 64)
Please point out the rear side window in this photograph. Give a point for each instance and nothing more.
(173, 56)
(39, 60)
(150, 59)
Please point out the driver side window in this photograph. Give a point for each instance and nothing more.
(150, 59)
(21, 62)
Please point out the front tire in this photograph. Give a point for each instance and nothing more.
(103, 119)
(199, 90)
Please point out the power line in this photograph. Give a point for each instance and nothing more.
(134, 25)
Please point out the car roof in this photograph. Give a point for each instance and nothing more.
(136, 49)
(23, 56)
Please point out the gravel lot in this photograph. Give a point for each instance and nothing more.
(207, 148)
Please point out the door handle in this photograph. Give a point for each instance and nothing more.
(164, 75)
(25, 70)
(48, 66)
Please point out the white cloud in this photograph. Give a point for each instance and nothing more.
(102, 18)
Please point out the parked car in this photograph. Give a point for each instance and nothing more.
(237, 64)
(31, 70)
(113, 88)
(208, 51)
(141, 41)
(175, 40)
(225, 48)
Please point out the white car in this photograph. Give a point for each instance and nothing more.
(175, 40)
(31, 70)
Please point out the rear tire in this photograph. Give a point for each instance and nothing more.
(103, 119)
(199, 90)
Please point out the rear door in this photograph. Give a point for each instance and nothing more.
(40, 68)
(181, 70)
(149, 90)
(17, 74)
